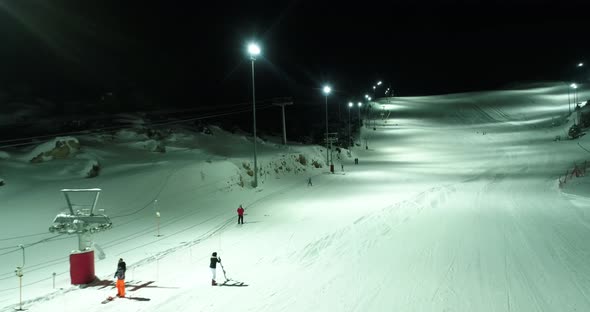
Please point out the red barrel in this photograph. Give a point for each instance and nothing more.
(82, 267)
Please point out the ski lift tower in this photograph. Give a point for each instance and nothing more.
(282, 102)
(332, 138)
(83, 220)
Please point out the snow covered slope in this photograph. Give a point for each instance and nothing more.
(454, 205)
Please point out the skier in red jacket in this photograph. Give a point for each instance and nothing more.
(240, 215)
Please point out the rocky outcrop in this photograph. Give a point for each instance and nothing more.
(94, 170)
(64, 148)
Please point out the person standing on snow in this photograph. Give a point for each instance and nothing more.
(120, 275)
(309, 182)
(213, 267)
(240, 215)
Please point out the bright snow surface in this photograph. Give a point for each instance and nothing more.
(454, 206)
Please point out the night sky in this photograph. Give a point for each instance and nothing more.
(188, 53)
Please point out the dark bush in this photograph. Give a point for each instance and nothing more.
(575, 131)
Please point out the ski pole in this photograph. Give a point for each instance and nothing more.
(223, 269)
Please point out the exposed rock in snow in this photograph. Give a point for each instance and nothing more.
(58, 148)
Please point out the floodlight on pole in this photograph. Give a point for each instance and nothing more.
(350, 105)
(327, 91)
(569, 102)
(254, 50)
(379, 83)
(575, 87)
(580, 64)
(359, 117)
(368, 114)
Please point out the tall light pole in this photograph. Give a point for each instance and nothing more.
(349, 108)
(375, 87)
(569, 104)
(254, 50)
(368, 114)
(373, 114)
(327, 90)
(389, 93)
(359, 105)
(368, 124)
(367, 97)
(575, 87)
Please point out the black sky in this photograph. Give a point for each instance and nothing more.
(189, 52)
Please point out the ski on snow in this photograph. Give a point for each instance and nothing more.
(229, 281)
(232, 283)
(111, 298)
(108, 299)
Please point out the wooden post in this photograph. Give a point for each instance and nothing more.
(19, 273)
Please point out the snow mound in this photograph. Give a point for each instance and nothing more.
(150, 145)
(130, 119)
(130, 135)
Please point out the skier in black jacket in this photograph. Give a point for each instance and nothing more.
(214, 260)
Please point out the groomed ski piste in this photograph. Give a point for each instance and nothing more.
(455, 205)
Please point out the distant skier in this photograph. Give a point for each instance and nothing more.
(214, 260)
(309, 182)
(120, 275)
(240, 215)
(342, 166)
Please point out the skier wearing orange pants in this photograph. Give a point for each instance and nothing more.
(120, 275)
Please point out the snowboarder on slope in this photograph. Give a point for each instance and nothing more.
(120, 275)
(213, 266)
(309, 182)
(240, 215)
